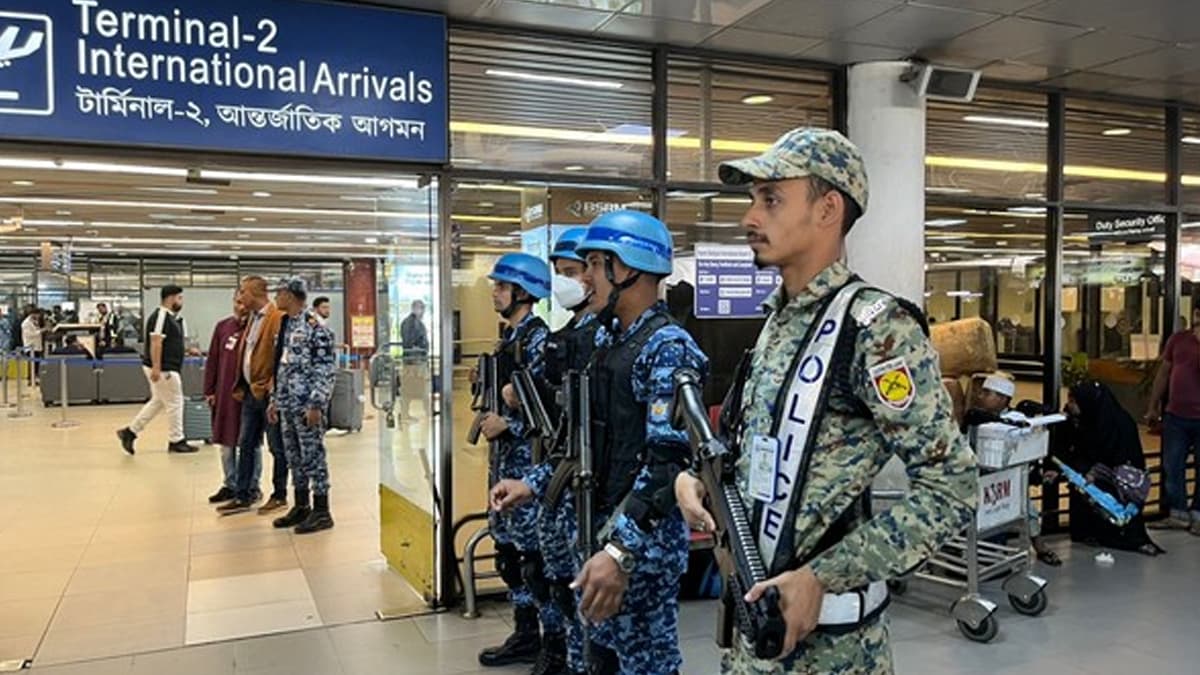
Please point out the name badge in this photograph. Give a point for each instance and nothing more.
(764, 467)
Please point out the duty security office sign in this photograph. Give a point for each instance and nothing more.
(272, 76)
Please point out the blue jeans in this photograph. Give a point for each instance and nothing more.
(254, 425)
(1180, 436)
(229, 465)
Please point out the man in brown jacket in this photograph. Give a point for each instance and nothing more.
(258, 355)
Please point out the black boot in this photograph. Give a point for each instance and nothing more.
(319, 519)
(552, 660)
(298, 514)
(520, 647)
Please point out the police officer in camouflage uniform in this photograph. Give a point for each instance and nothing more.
(303, 386)
(569, 348)
(520, 281)
(629, 590)
(885, 398)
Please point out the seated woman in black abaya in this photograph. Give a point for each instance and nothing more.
(1101, 432)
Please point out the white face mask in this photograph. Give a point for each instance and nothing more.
(568, 292)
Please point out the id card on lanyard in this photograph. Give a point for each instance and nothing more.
(764, 467)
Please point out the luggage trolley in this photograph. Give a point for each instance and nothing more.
(1004, 454)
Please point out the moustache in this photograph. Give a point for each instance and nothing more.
(755, 238)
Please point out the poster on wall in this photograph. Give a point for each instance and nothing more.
(362, 332)
(274, 76)
(728, 285)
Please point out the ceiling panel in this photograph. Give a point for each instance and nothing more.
(994, 6)
(816, 18)
(1160, 64)
(1011, 37)
(1091, 49)
(1158, 90)
(1022, 72)
(911, 27)
(717, 12)
(760, 42)
(658, 30)
(543, 14)
(848, 52)
(1167, 20)
(1085, 81)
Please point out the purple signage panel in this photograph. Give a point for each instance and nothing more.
(728, 284)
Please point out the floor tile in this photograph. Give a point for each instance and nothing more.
(211, 595)
(19, 647)
(303, 651)
(31, 585)
(122, 576)
(64, 645)
(217, 659)
(139, 604)
(241, 540)
(239, 563)
(41, 558)
(25, 617)
(115, 666)
(239, 622)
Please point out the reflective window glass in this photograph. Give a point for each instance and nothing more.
(1115, 153)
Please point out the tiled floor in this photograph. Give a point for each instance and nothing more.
(1138, 616)
(105, 554)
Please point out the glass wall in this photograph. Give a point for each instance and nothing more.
(1115, 153)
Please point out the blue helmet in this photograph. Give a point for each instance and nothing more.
(640, 240)
(564, 248)
(524, 270)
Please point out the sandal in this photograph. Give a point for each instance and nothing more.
(1151, 550)
(1049, 557)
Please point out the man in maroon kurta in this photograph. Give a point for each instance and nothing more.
(220, 379)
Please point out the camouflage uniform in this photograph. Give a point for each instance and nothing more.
(305, 381)
(558, 531)
(519, 526)
(862, 428)
(645, 634)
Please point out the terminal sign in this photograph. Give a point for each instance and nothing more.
(271, 76)
(728, 283)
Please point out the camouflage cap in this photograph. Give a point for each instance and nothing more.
(801, 153)
(297, 286)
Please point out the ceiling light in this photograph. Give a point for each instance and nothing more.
(249, 219)
(1036, 210)
(486, 205)
(938, 189)
(279, 210)
(1007, 121)
(371, 240)
(553, 79)
(1002, 242)
(757, 99)
(573, 167)
(106, 245)
(945, 222)
(62, 212)
(183, 191)
(1119, 131)
(260, 194)
(1008, 226)
(466, 161)
(1191, 140)
(486, 219)
(243, 236)
(23, 183)
(311, 179)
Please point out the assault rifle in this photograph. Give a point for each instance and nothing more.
(1114, 511)
(485, 399)
(741, 565)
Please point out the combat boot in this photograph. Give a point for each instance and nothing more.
(520, 647)
(319, 519)
(299, 513)
(552, 660)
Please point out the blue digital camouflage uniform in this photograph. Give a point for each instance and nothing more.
(305, 381)
(519, 526)
(558, 533)
(645, 634)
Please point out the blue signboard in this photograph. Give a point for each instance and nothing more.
(272, 76)
(728, 283)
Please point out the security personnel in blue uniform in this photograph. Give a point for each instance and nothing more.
(568, 348)
(303, 386)
(520, 281)
(629, 590)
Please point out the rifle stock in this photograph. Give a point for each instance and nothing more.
(737, 553)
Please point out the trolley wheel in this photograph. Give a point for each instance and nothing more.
(898, 586)
(984, 633)
(1034, 606)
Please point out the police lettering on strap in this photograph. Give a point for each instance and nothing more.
(797, 428)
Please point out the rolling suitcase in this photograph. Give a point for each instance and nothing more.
(197, 420)
(346, 405)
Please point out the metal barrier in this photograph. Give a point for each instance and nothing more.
(4, 359)
(64, 394)
(468, 575)
(21, 410)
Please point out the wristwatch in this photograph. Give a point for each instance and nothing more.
(624, 559)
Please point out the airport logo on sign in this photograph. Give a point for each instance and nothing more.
(26, 64)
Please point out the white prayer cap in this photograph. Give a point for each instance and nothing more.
(1001, 385)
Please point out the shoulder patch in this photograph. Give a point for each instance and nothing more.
(893, 383)
(868, 313)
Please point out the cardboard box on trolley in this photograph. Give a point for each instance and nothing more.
(998, 445)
